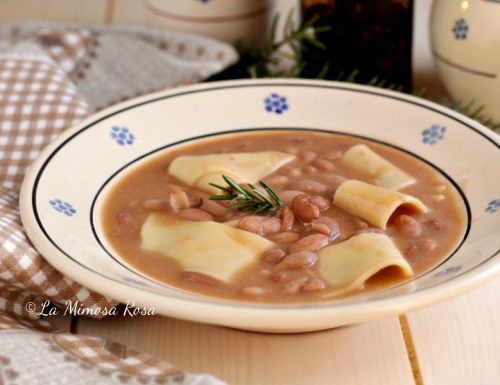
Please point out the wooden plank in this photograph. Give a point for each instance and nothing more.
(109, 13)
(369, 353)
(458, 342)
(56, 10)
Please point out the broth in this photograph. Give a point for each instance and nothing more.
(424, 239)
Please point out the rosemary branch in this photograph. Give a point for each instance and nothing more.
(264, 62)
(252, 200)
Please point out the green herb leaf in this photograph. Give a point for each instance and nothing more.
(244, 200)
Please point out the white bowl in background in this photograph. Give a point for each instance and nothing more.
(227, 20)
(465, 38)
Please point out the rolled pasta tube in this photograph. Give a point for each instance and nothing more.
(381, 172)
(207, 247)
(246, 167)
(372, 203)
(347, 265)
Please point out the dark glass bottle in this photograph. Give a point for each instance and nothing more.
(371, 37)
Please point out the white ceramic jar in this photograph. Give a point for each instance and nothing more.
(466, 46)
(228, 20)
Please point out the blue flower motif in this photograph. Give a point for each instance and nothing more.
(460, 29)
(447, 271)
(493, 206)
(276, 103)
(122, 135)
(433, 134)
(63, 207)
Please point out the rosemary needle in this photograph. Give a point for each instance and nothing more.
(251, 199)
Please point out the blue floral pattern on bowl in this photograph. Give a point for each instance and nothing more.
(460, 29)
(276, 103)
(493, 206)
(433, 134)
(449, 270)
(122, 135)
(63, 207)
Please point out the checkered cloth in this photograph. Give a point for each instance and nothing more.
(29, 356)
(51, 77)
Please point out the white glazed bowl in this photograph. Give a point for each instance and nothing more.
(79, 168)
(228, 20)
(465, 38)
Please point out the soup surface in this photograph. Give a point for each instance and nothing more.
(351, 216)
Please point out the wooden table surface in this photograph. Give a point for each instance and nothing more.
(453, 343)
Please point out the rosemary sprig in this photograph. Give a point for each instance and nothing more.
(252, 200)
(473, 110)
(282, 57)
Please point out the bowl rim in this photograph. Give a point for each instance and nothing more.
(291, 319)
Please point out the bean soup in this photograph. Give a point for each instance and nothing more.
(283, 216)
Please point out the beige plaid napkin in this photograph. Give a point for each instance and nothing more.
(51, 77)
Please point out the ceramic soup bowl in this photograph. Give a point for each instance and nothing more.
(63, 192)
